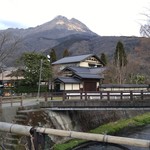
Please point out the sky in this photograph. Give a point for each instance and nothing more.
(104, 17)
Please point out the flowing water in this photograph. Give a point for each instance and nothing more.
(139, 133)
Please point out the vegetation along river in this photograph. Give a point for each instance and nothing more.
(140, 133)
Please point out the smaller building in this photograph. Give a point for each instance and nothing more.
(8, 78)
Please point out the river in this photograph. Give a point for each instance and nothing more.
(139, 133)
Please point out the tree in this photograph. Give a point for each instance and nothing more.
(53, 56)
(65, 53)
(8, 45)
(32, 62)
(120, 60)
(103, 59)
(137, 79)
(145, 28)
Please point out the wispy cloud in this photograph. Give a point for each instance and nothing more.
(4, 24)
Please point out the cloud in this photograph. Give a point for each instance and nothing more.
(4, 24)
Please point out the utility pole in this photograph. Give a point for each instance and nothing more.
(38, 94)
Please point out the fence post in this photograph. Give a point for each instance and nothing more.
(108, 95)
(131, 95)
(21, 103)
(0, 103)
(142, 98)
(51, 95)
(64, 96)
(101, 95)
(85, 95)
(11, 99)
(80, 95)
(121, 94)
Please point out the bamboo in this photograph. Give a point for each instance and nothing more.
(15, 128)
(97, 137)
(25, 130)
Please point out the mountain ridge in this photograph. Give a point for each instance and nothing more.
(62, 33)
(58, 23)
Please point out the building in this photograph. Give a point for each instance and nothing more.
(79, 73)
(8, 78)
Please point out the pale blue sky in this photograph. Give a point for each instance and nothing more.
(105, 17)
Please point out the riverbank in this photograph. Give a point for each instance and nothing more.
(111, 128)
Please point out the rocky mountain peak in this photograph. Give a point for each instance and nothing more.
(61, 22)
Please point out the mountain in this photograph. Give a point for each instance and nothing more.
(50, 34)
(62, 33)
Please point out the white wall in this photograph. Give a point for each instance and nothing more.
(76, 86)
(70, 86)
(84, 64)
(61, 86)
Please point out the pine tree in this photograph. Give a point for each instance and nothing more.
(53, 56)
(120, 56)
(103, 59)
(120, 60)
(65, 53)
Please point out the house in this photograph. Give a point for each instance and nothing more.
(79, 73)
(8, 77)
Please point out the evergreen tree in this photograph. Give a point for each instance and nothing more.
(120, 57)
(53, 56)
(120, 60)
(103, 59)
(65, 53)
(32, 62)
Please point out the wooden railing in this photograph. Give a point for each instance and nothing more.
(100, 99)
(101, 95)
(11, 100)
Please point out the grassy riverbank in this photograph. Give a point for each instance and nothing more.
(110, 129)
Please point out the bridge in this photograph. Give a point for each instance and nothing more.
(101, 100)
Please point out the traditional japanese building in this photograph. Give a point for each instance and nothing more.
(79, 73)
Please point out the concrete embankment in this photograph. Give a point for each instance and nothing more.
(7, 113)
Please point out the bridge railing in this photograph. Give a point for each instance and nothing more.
(11, 100)
(106, 95)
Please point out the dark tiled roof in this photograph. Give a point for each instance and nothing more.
(97, 70)
(67, 80)
(72, 59)
(88, 76)
(78, 69)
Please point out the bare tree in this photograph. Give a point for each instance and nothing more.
(145, 28)
(8, 45)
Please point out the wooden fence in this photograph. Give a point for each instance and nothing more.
(100, 99)
(101, 95)
(11, 100)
